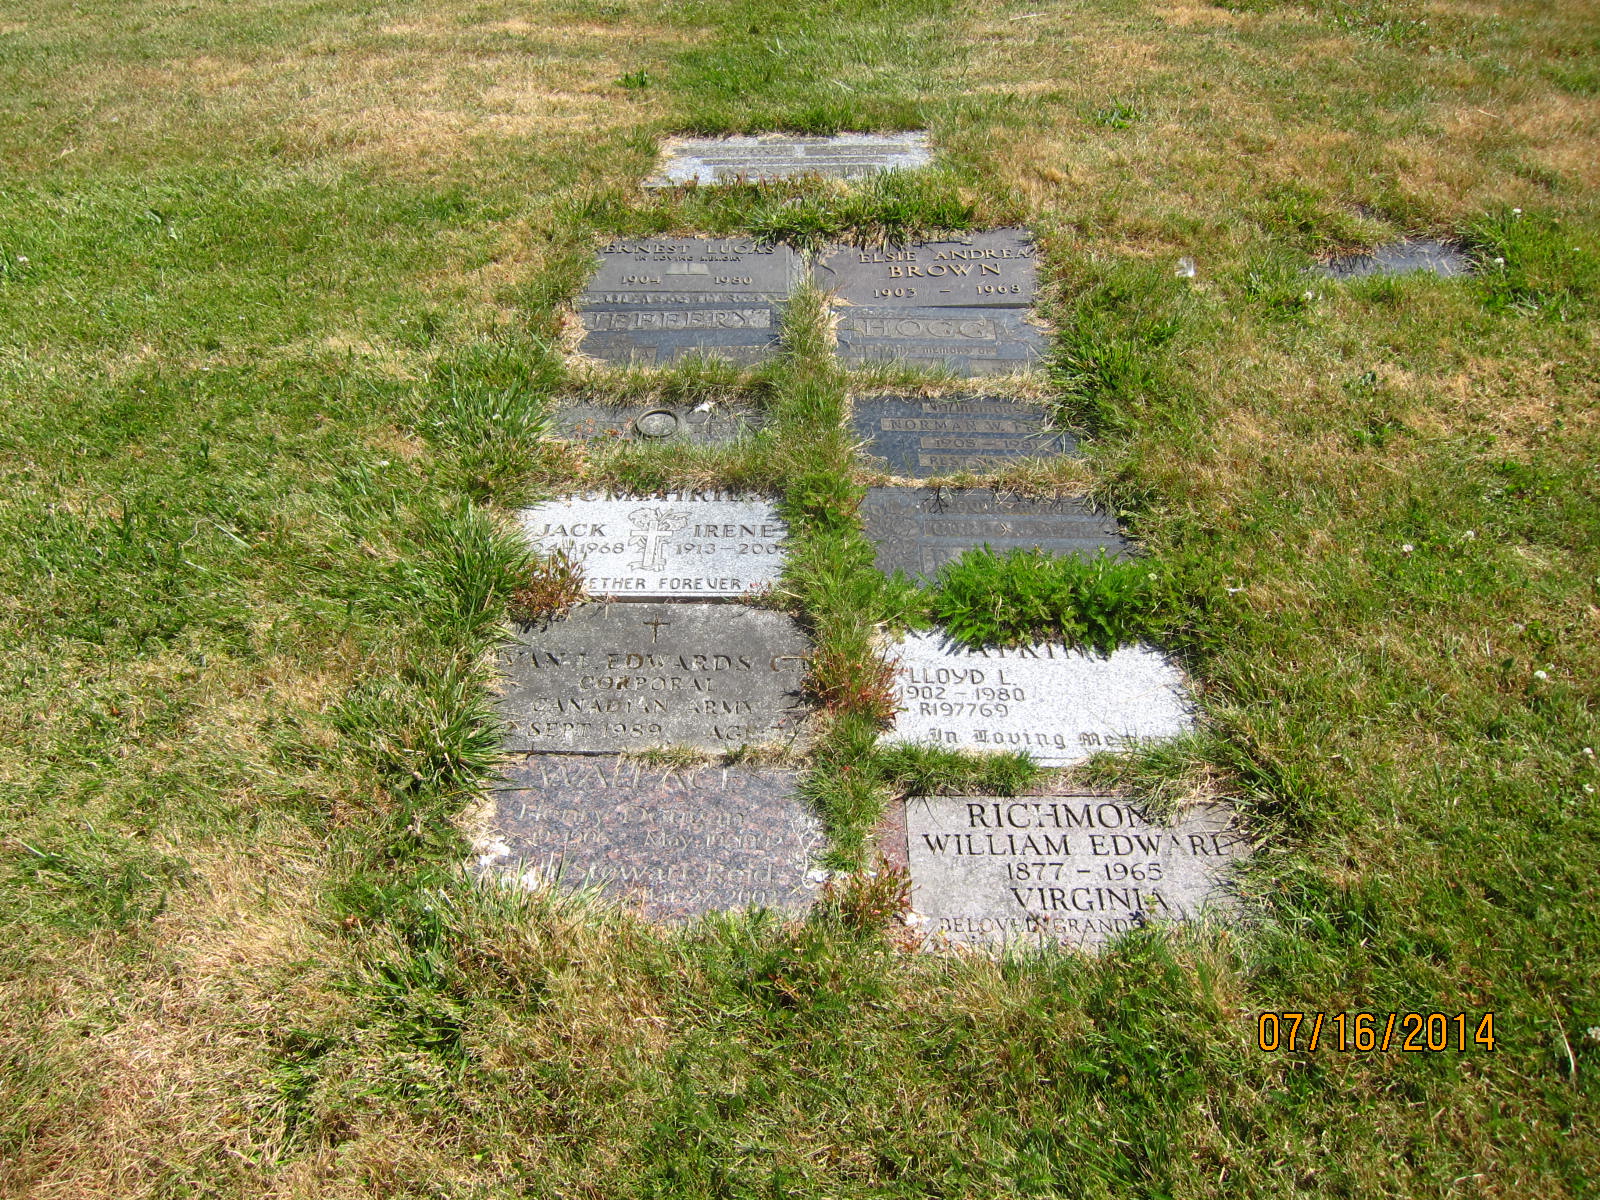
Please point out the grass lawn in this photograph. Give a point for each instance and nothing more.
(281, 314)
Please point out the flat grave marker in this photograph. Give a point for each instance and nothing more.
(675, 841)
(616, 677)
(918, 436)
(767, 157)
(653, 301)
(1070, 867)
(997, 269)
(1059, 704)
(966, 341)
(918, 530)
(1402, 258)
(655, 423)
(694, 545)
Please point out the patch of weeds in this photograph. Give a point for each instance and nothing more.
(892, 207)
(423, 728)
(1309, 219)
(1162, 776)
(1398, 25)
(881, 58)
(635, 80)
(1533, 265)
(96, 881)
(493, 432)
(1379, 427)
(920, 770)
(1117, 116)
(807, 971)
(843, 677)
(1015, 598)
(1576, 76)
(551, 585)
(1280, 288)
(868, 899)
(1117, 329)
(671, 756)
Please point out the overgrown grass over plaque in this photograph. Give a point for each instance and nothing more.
(280, 289)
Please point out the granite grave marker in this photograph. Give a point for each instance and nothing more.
(1059, 704)
(1071, 867)
(655, 423)
(675, 841)
(977, 270)
(695, 545)
(767, 157)
(654, 301)
(614, 677)
(965, 341)
(918, 530)
(917, 436)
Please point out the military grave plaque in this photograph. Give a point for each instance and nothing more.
(977, 270)
(675, 841)
(1073, 867)
(918, 530)
(1060, 705)
(708, 161)
(660, 424)
(684, 544)
(917, 436)
(965, 341)
(655, 300)
(613, 677)
(1402, 258)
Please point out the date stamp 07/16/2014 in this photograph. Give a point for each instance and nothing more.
(1375, 1033)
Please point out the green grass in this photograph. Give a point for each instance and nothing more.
(280, 288)
(1019, 597)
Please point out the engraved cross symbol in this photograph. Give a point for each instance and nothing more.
(652, 527)
(655, 629)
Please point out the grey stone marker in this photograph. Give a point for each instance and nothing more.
(1060, 705)
(1402, 258)
(917, 436)
(1072, 867)
(966, 341)
(677, 842)
(613, 677)
(767, 157)
(653, 301)
(977, 270)
(658, 424)
(695, 545)
(918, 530)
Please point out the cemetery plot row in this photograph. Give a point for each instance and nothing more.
(1057, 865)
(958, 304)
(715, 545)
(912, 437)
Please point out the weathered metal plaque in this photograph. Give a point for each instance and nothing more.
(966, 341)
(692, 272)
(676, 842)
(918, 530)
(694, 545)
(613, 677)
(654, 301)
(1060, 705)
(917, 436)
(1403, 258)
(654, 423)
(768, 157)
(978, 270)
(1078, 868)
